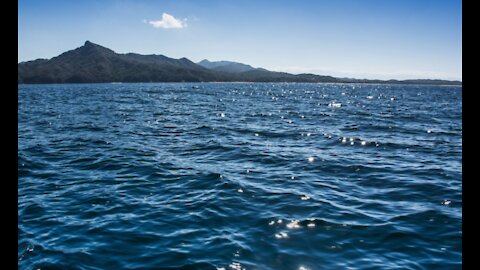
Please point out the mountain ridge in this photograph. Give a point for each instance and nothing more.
(93, 63)
(225, 66)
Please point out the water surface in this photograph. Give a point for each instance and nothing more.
(239, 176)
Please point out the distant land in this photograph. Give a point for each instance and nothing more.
(92, 63)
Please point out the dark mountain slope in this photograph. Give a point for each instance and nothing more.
(95, 64)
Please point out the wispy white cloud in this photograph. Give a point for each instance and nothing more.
(168, 21)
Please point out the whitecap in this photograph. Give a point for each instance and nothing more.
(293, 224)
(335, 105)
(281, 235)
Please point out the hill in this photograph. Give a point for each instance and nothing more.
(92, 63)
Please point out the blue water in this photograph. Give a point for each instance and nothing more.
(239, 176)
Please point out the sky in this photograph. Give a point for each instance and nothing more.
(373, 39)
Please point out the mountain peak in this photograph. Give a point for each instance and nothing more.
(89, 46)
(88, 43)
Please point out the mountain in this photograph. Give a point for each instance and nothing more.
(92, 63)
(225, 66)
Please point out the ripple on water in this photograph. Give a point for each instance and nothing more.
(238, 176)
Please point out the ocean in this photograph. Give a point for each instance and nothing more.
(239, 176)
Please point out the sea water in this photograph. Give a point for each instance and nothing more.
(239, 176)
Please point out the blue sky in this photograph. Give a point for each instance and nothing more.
(348, 38)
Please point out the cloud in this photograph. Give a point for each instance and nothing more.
(168, 21)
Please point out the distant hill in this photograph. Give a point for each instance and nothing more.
(225, 66)
(92, 63)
